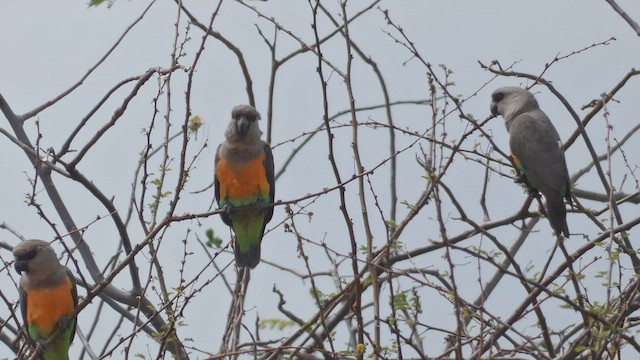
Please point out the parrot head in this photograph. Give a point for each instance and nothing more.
(22, 261)
(511, 101)
(35, 254)
(245, 121)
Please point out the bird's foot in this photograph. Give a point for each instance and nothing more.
(533, 191)
(64, 322)
(520, 178)
(228, 209)
(260, 206)
(42, 345)
(542, 210)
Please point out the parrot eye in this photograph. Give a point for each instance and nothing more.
(497, 96)
(27, 256)
(249, 118)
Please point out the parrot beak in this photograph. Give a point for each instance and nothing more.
(494, 109)
(21, 266)
(496, 97)
(242, 125)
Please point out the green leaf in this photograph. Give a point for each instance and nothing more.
(212, 239)
(400, 301)
(275, 324)
(581, 348)
(96, 3)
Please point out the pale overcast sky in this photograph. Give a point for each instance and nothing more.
(48, 46)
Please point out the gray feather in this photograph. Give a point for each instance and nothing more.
(535, 142)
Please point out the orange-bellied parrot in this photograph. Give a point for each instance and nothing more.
(48, 295)
(244, 183)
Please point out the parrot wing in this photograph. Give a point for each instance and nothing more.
(216, 183)
(536, 143)
(22, 293)
(74, 295)
(268, 165)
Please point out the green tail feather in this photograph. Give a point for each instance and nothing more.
(248, 224)
(250, 258)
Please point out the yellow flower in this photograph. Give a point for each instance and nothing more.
(195, 123)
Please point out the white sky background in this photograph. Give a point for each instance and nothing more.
(47, 46)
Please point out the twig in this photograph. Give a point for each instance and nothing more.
(634, 25)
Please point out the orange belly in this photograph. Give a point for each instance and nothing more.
(242, 182)
(45, 307)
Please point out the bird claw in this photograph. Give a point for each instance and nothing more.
(64, 322)
(533, 191)
(520, 179)
(42, 345)
(228, 209)
(542, 210)
(260, 206)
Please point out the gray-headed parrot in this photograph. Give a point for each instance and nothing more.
(244, 183)
(537, 150)
(48, 295)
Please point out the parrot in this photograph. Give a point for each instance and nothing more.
(537, 150)
(244, 183)
(48, 294)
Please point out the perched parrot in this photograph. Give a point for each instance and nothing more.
(47, 295)
(537, 150)
(244, 183)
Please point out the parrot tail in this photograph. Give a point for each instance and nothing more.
(557, 215)
(250, 257)
(249, 226)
